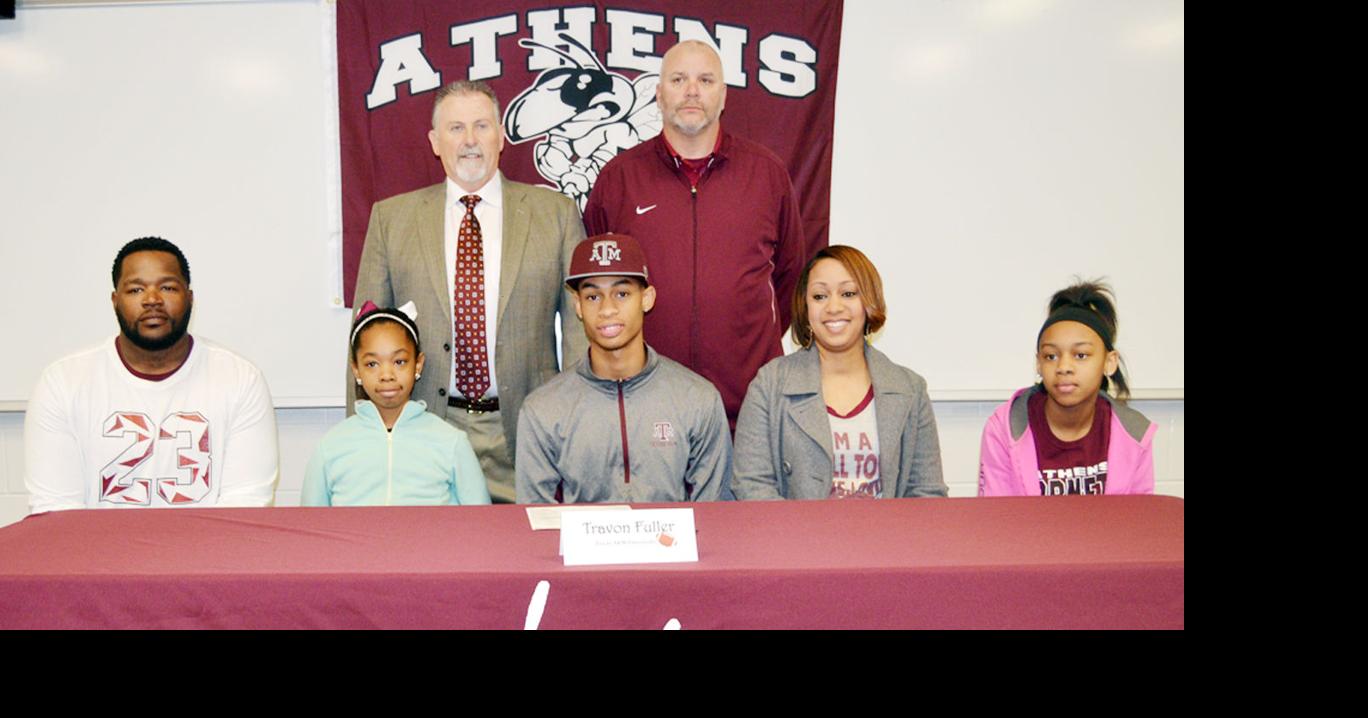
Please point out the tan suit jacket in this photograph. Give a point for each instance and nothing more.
(403, 260)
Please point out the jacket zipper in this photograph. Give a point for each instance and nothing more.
(389, 465)
(693, 320)
(693, 197)
(693, 316)
(622, 422)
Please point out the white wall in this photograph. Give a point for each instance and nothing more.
(987, 151)
(205, 123)
(960, 423)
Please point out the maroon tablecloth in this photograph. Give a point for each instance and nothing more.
(1062, 562)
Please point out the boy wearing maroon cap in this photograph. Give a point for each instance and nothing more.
(626, 424)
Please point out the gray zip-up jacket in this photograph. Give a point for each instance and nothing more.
(785, 434)
(661, 435)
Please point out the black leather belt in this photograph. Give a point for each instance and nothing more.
(479, 406)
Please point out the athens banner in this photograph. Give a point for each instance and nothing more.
(779, 59)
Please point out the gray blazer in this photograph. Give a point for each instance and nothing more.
(783, 437)
(403, 260)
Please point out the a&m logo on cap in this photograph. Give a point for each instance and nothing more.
(605, 252)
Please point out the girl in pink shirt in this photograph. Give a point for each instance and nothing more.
(1071, 433)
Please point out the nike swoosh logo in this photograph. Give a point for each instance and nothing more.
(644, 210)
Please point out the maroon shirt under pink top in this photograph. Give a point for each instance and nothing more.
(1071, 467)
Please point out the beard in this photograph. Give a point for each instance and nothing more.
(179, 325)
(689, 129)
(469, 172)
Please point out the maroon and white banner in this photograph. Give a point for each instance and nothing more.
(779, 59)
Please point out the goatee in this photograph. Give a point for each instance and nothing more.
(178, 328)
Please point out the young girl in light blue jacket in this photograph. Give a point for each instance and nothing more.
(392, 452)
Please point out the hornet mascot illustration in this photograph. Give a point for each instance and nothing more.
(586, 114)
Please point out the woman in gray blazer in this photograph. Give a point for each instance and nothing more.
(837, 418)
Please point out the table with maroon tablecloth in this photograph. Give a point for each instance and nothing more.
(1057, 562)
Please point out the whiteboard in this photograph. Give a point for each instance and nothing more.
(204, 123)
(988, 151)
(985, 152)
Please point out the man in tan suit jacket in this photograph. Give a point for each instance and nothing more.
(529, 233)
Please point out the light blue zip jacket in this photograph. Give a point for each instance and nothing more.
(424, 461)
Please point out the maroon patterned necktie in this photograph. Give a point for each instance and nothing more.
(471, 361)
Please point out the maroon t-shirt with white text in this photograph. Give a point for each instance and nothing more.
(1070, 467)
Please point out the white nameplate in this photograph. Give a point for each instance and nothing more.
(636, 536)
(542, 518)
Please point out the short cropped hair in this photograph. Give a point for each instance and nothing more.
(465, 87)
(866, 278)
(150, 244)
(697, 44)
(574, 284)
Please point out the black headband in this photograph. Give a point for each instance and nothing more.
(1082, 315)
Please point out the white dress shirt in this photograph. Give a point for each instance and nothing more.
(489, 211)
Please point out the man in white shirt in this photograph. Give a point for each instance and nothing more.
(482, 258)
(153, 416)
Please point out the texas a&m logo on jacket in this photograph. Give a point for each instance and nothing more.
(662, 434)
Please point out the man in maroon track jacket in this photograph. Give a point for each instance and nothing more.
(718, 216)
